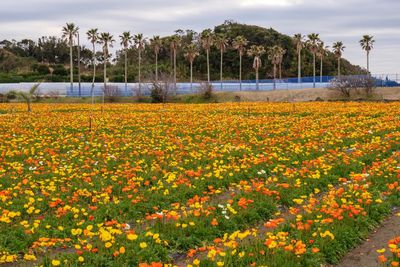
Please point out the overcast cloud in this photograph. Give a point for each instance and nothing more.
(335, 20)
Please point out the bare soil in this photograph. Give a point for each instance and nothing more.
(365, 255)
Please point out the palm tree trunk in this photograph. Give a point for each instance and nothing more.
(94, 70)
(28, 101)
(240, 71)
(126, 69)
(71, 66)
(368, 62)
(299, 68)
(314, 70)
(320, 71)
(208, 65)
(280, 71)
(105, 76)
(191, 75)
(222, 58)
(257, 85)
(156, 67)
(274, 76)
(339, 67)
(140, 78)
(175, 70)
(79, 66)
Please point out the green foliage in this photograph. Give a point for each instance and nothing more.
(17, 59)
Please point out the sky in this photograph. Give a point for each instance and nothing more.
(334, 20)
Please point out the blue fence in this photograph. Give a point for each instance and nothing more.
(85, 89)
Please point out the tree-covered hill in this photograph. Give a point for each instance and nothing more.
(48, 58)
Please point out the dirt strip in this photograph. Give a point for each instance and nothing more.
(365, 254)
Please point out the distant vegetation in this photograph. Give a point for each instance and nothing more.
(47, 59)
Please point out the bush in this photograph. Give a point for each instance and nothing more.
(111, 93)
(347, 86)
(41, 69)
(206, 90)
(160, 91)
(59, 70)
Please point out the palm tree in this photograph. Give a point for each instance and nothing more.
(338, 49)
(221, 42)
(26, 96)
(281, 53)
(275, 54)
(174, 43)
(93, 37)
(140, 43)
(313, 40)
(298, 41)
(207, 40)
(192, 52)
(240, 45)
(156, 44)
(256, 51)
(79, 62)
(322, 51)
(69, 31)
(106, 39)
(126, 40)
(367, 44)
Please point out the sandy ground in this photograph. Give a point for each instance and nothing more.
(305, 95)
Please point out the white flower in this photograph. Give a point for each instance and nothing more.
(127, 226)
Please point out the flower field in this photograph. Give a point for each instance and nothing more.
(240, 184)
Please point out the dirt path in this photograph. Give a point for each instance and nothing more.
(365, 255)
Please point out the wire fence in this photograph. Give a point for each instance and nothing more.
(120, 89)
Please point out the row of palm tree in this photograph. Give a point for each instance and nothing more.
(207, 40)
(318, 49)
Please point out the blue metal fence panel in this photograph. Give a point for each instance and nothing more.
(64, 89)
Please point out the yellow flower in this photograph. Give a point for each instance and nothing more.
(108, 244)
(220, 263)
(81, 259)
(76, 231)
(381, 250)
(131, 236)
(155, 236)
(55, 262)
(105, 235)
(196, 262)
(143, 245)
(29, 257)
